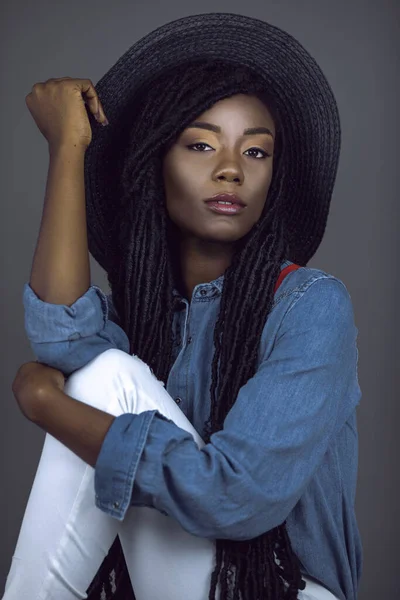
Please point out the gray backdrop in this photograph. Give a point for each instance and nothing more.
(356, 44)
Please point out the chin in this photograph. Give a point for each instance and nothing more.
(222, 236)
(223, 232)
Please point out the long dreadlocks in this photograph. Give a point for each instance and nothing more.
(142, 281)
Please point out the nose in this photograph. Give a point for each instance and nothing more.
(229, 172)
(228, 167)
(229, 177)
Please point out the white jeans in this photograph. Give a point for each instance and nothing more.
(64, 537)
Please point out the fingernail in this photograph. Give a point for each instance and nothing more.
(105, 122)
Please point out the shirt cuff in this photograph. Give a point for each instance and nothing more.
(46, 322)
(118, 460)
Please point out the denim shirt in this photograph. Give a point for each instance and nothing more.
(289, 446)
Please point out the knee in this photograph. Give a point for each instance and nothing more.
(115, 360)
(110, 372)
(108, 364)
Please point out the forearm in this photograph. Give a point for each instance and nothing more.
(80, 427)
(61, 268)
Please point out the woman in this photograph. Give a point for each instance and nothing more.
(220, 411)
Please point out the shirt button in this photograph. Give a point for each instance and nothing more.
(116, 505)
(189, 340)
(178, 400)
(203, 292)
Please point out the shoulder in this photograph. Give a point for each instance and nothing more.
(311, 283)
(309, 302)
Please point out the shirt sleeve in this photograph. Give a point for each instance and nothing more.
(250, 476)
(68, 337)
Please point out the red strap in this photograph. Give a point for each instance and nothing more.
(285, 272)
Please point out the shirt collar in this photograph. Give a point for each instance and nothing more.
(219, 282)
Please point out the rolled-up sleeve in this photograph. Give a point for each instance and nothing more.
(68, 337)
(250, 476)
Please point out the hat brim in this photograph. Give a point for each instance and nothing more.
(300, 90)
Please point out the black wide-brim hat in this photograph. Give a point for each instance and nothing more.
(292, 77)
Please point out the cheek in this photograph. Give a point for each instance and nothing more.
(177, 183)
(181, 193)
(261, 198)
(177, 204)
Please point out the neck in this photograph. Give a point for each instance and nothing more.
(200, 262)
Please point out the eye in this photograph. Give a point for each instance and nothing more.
(197, 144)
(264, 154)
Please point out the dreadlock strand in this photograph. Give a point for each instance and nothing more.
(251, 310)
(139, 268)
(127, 316)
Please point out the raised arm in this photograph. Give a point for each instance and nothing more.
(66, 319)
(61, 269)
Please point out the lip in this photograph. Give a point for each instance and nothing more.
(226, 197)
(225, 209)
(235, 208)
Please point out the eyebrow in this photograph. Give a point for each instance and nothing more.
(217, 129)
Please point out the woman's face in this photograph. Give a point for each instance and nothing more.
(204, 162)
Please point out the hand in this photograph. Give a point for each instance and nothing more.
(32, 382)
(58, 108)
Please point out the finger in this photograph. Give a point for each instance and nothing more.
(91, 99)
(89, 95)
